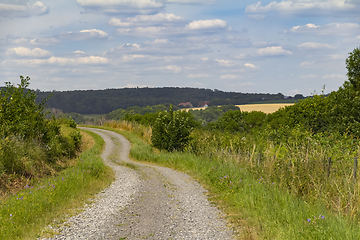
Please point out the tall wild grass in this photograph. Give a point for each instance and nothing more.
(269, 187)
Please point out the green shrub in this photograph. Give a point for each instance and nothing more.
(171, 131)
(24, 130)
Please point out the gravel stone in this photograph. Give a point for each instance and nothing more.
(145, 202)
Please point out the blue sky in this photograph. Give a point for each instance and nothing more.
(289, 46)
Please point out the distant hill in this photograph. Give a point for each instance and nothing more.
(105, 101)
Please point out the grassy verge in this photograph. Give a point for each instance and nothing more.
(258, 208)
(23, 215)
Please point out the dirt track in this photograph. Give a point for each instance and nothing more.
(145, 202)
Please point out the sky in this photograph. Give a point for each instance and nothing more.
(290, 46)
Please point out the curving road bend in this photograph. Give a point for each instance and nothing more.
(145, 202)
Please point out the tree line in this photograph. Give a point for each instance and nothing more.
(106, 101)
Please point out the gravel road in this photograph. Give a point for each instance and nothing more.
(145, 202)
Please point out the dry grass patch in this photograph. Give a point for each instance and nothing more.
(87, 141)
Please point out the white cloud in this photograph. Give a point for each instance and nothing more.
(119, 23)
(85, 34)
(95, 33)
(174, 68)
(10, 10)
(130, 58)
(230, 76)
(79, 52)
(225, 63)
(307, 64)
(260, 44)
(190, 1)
(207, 24)
(27, 52)
(121, 6)
(297, 6)
(160, 47)
(328, 29)
(160, 25)
(147, 19)
(91, 60)
(314, 45)
(241, 56)
(251, 66)
(143, 31)
(169, 68)
(33, 41)
(334, 76)
(309, 76)
(336, 57)
(149, 58)
(273, 51)
(200, 75)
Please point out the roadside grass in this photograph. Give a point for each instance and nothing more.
(256, 207)
(25, 214)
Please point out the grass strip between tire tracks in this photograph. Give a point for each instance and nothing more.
(25, 214)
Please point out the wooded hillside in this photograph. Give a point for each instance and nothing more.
(105, 101)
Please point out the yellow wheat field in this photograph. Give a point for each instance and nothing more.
(266, 108)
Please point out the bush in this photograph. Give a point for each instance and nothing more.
(171, 130)
(27, 139)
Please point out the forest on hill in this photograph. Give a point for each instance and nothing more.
(105, 101)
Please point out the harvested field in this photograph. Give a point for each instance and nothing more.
(266, 108)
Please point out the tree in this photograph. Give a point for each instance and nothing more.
(171, 131)
(231, 121)
(353, 67)
(19, 114)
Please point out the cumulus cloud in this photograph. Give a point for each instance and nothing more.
(144, 31)
(160, 47)
(190, 1)
(164, 28)
(22, 9)
(328, 29)
(302, 6)
(169, 68)
(230, 76)
(241, 56)
(334, 76)
(307, 64)
(131, 7)
(91, 60)
(79, 52)
(273, 51)
(308, 76)
(314, 45)
(148, 58)
(33, 41)
(251, 66)
(145, 19)
(27, 52)
(85, 34)
(225, 63)
(199, 75)
(207, 24)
